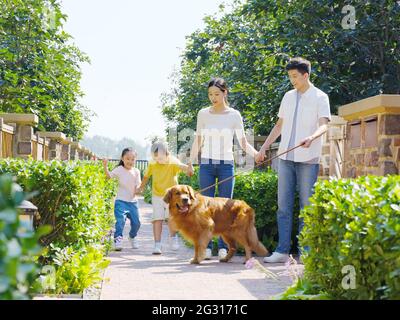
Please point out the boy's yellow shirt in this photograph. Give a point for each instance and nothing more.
(165, 175)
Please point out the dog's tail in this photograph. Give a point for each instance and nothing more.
(255, 244)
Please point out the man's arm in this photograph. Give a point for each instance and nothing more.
(322, 128)
(275, 133)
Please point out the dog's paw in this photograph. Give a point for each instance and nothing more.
(194, 261)
(224, 260)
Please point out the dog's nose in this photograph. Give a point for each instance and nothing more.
(185, 200)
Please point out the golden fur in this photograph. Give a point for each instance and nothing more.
(198, 218)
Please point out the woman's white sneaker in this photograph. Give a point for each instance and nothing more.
(174, 243)
(222, 253)
(208, 254)
(277, 257)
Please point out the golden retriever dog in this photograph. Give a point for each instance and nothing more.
(198, 218)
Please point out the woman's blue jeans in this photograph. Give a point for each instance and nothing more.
(210, 171)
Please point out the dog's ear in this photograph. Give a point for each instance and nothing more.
(168, 195)
(191, 192)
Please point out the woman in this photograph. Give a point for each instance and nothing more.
(216, 126)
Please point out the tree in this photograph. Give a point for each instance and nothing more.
(39, 67)
(250, 46)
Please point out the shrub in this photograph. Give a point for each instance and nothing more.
(77, 270)
(19, 247)
(76, 200)
(73, 197)
(354, 223)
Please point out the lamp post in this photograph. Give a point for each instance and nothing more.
(27, 211)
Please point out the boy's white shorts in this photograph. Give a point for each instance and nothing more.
(160, 209)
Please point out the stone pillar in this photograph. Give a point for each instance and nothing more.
(55, 143)
(333, 158)
(46, 145)
(40, 147)
(372, 136)
(23, 132)
(81, 153)
(86, 154)
(66, 149)
(389, 143)
(74, 153)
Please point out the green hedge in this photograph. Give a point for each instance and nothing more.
(19, 247)
(259, 190)
(354, 223)
(75, 199)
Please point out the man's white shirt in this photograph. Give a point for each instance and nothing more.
(313, 105)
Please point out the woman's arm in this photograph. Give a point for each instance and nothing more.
(196, 148)
(275, 133)
(105, 165)
(246, 146)
(188, 169)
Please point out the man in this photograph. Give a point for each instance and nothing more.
(303, 118)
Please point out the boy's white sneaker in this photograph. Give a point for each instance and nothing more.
(174, 243)
(134, 243)
(157, 248)
(222, 253)
(277, 257)
(118, 243)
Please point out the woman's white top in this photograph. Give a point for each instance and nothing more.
(217, 131)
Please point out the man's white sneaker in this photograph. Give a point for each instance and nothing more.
(118, 243)
(134, 243)
(277, 257)
(222, 253)
(157, 248)
(208, 254)
(174, 243)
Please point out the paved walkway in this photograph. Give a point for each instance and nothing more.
(139, 275)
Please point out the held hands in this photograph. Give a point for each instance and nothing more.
(260, 156)
(139, 190)
(190, 171)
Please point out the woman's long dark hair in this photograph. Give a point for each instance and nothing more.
(124, 152)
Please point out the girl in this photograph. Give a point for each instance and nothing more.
(126, 205)
(216, 126)
(164, 169)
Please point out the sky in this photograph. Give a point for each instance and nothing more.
(134, 47)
